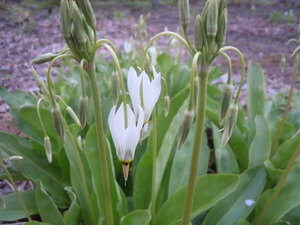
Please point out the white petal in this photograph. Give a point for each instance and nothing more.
(113, 128)
(130, 140)
(134, 83)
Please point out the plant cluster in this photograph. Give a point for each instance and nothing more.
(145, 138)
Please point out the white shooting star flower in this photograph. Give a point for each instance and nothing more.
(143, 92)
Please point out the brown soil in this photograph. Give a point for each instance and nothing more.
(26, 32)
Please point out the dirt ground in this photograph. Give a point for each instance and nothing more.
(26, 32)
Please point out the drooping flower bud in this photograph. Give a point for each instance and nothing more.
(15, 158)
(79, 34)
(222, 6)
(58, 123)
(199, 33)
(115, 87)
(73, 115)
(212, 18)
(185, 127)
(282, 63)
(65, 19)
(43, 58)
(83, 110)
(184, 12)
(166, 105)
(88, 12)
(222, 29)
(39, 82)
(48, 148)
(230, 124)
(225, 101)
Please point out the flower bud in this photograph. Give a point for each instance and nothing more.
(73, 115)
(48, 148)
(43, 58)
(184, 12)
(115, 87)
(283, 63)
(39, 82)
(58, 123)
(88, 13)
(65, 19)
(225, 101)
(222, 29)
(212, 18)
(222, 5)
(83, 110)
(15, 158)
(230, 124)
(185, 127)
(78, 32)
(199, 34)
(166, 105)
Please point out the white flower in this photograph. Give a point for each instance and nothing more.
(125, 138)
(143, 92)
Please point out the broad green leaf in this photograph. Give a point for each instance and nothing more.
(117, 195)
(225, 159)
(142, 217)
(166, 138)
(243, 222)
(281, 223)
(46, 206)
(210, 189)
(182, 161)
(72, 215)
(261, 145)
(287, 199)
(35, 165)
(256, 92)
(37, 223)
(284, 152)
(17, 98)
(274, 174)
(13, 210)
(241, 202)
(293, 216)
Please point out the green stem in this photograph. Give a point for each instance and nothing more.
(229, 80)
(279, 186)
(201, 105)
(192, 85)
(181, 39)
(287, 108)
(243, 69)
(118, 67)
(90, 69)
(19, 196)
(81, 172)
(154, 156)
(187, 38)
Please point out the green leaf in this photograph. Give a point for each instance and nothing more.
(182, 160)
(261, 145)
(256, 92)
(17, 98)
(243, 222)
(284, 152)
(241, 202)
(117, 195)
(13, 210)
(37, 223)
(225, 159)
(166, 138)
(72, 215)
(210, 189)
(46, 206)
(287, 199)
(293, 216)
(142, 217)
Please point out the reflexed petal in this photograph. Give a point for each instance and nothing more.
(134, 83)
(113, 128)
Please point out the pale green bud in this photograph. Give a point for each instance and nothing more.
(283, 63)
(115, 87)
(184, 12)
(83, 110)
(48, 148)
(43, 58)
(39, 82)
(15, 158)
(222, 29)
(58, 123)
(199, 34)
(212, 18)
(225, 101)
(230, 124)
(185, 127)
(79, 34)
(73, 115)
(88, 12)
(222, 5)
(65, 19)
(166, 105)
